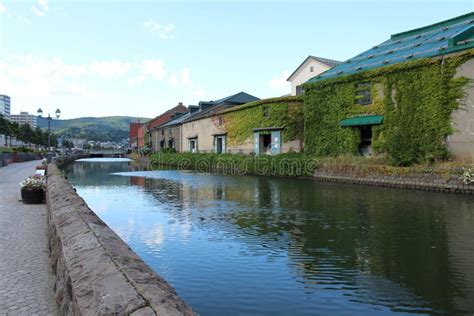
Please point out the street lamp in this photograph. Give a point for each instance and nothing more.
(49, 118)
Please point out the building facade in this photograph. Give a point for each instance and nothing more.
(201, 130)
(5, 106)
(168, 135)
(133, 135)
(153, 141)
(410, 98)
(264, 127)
(309, 68)
(25, 118)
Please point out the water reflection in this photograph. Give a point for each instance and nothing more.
(257, 245)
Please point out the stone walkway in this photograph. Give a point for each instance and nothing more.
(26, 281)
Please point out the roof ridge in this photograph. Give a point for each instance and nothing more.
(323, 60)
(432, 26)
(326, 59)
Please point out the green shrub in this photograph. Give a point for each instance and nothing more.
(290, 164)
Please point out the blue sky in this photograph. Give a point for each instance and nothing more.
(100, 58)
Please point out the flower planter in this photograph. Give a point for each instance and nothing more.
(32, 196)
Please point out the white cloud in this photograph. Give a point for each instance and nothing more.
(80, 89)
(154, 68)
(280, 84)
(164, 31)
(25, 67)
(37, 12)
(199, 92)
(109, 69)
(3, 8)
(183, 78)
(40, 8)
(22, 19)
(135, 81)
(43, 78)
(43, 5)
(75, 90)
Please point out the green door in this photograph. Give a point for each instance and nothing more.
(276, 142)
(256, 142)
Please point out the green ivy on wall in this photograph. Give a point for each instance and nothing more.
(416, 98)
(284, 112)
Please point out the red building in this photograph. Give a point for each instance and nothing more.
(138, 131)
(141, 135)
(133, 134)
(165, 117)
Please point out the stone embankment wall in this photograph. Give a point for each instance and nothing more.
(96, 273)
(430, 181)
(8, 158)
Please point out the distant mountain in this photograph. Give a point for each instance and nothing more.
(109, 128)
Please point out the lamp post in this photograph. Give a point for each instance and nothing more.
(49, 118)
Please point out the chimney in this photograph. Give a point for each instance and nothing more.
(180, 104)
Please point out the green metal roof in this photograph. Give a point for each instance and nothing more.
(362, 120)
(433, 40)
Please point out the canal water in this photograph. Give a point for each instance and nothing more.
(242, 245)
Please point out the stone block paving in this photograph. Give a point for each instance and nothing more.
(26, 281)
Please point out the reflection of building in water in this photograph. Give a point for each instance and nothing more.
(139, 181)
(97, 173)
(460, 233)
(399, 248)
(165, 191)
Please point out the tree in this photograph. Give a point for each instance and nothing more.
(38, 136)
(4, 128)
(68, 144)
(26, 134)
(14, 131)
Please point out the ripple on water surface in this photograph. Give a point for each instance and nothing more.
(264, 246)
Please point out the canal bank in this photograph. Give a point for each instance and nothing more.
(437, 178)
(95, 272)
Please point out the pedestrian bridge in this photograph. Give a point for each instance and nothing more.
(106, 153)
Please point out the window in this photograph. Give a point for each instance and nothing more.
(299, 90)
(220, 144)
(162, 132)
(266, 111)
(311, 69)
(363, 93)
(193, 145)
(170, 131)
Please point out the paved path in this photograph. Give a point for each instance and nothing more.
(26, 282)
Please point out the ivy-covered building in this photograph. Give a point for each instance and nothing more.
(409, 97)
(269, 126)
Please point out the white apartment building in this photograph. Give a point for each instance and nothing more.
(5, 106)
(24, 118)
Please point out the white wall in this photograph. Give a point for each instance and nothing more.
(461, 142)
(304, 73)
(204, 130)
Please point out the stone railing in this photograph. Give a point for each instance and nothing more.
(96, 273)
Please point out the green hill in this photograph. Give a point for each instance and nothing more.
(109, 128)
